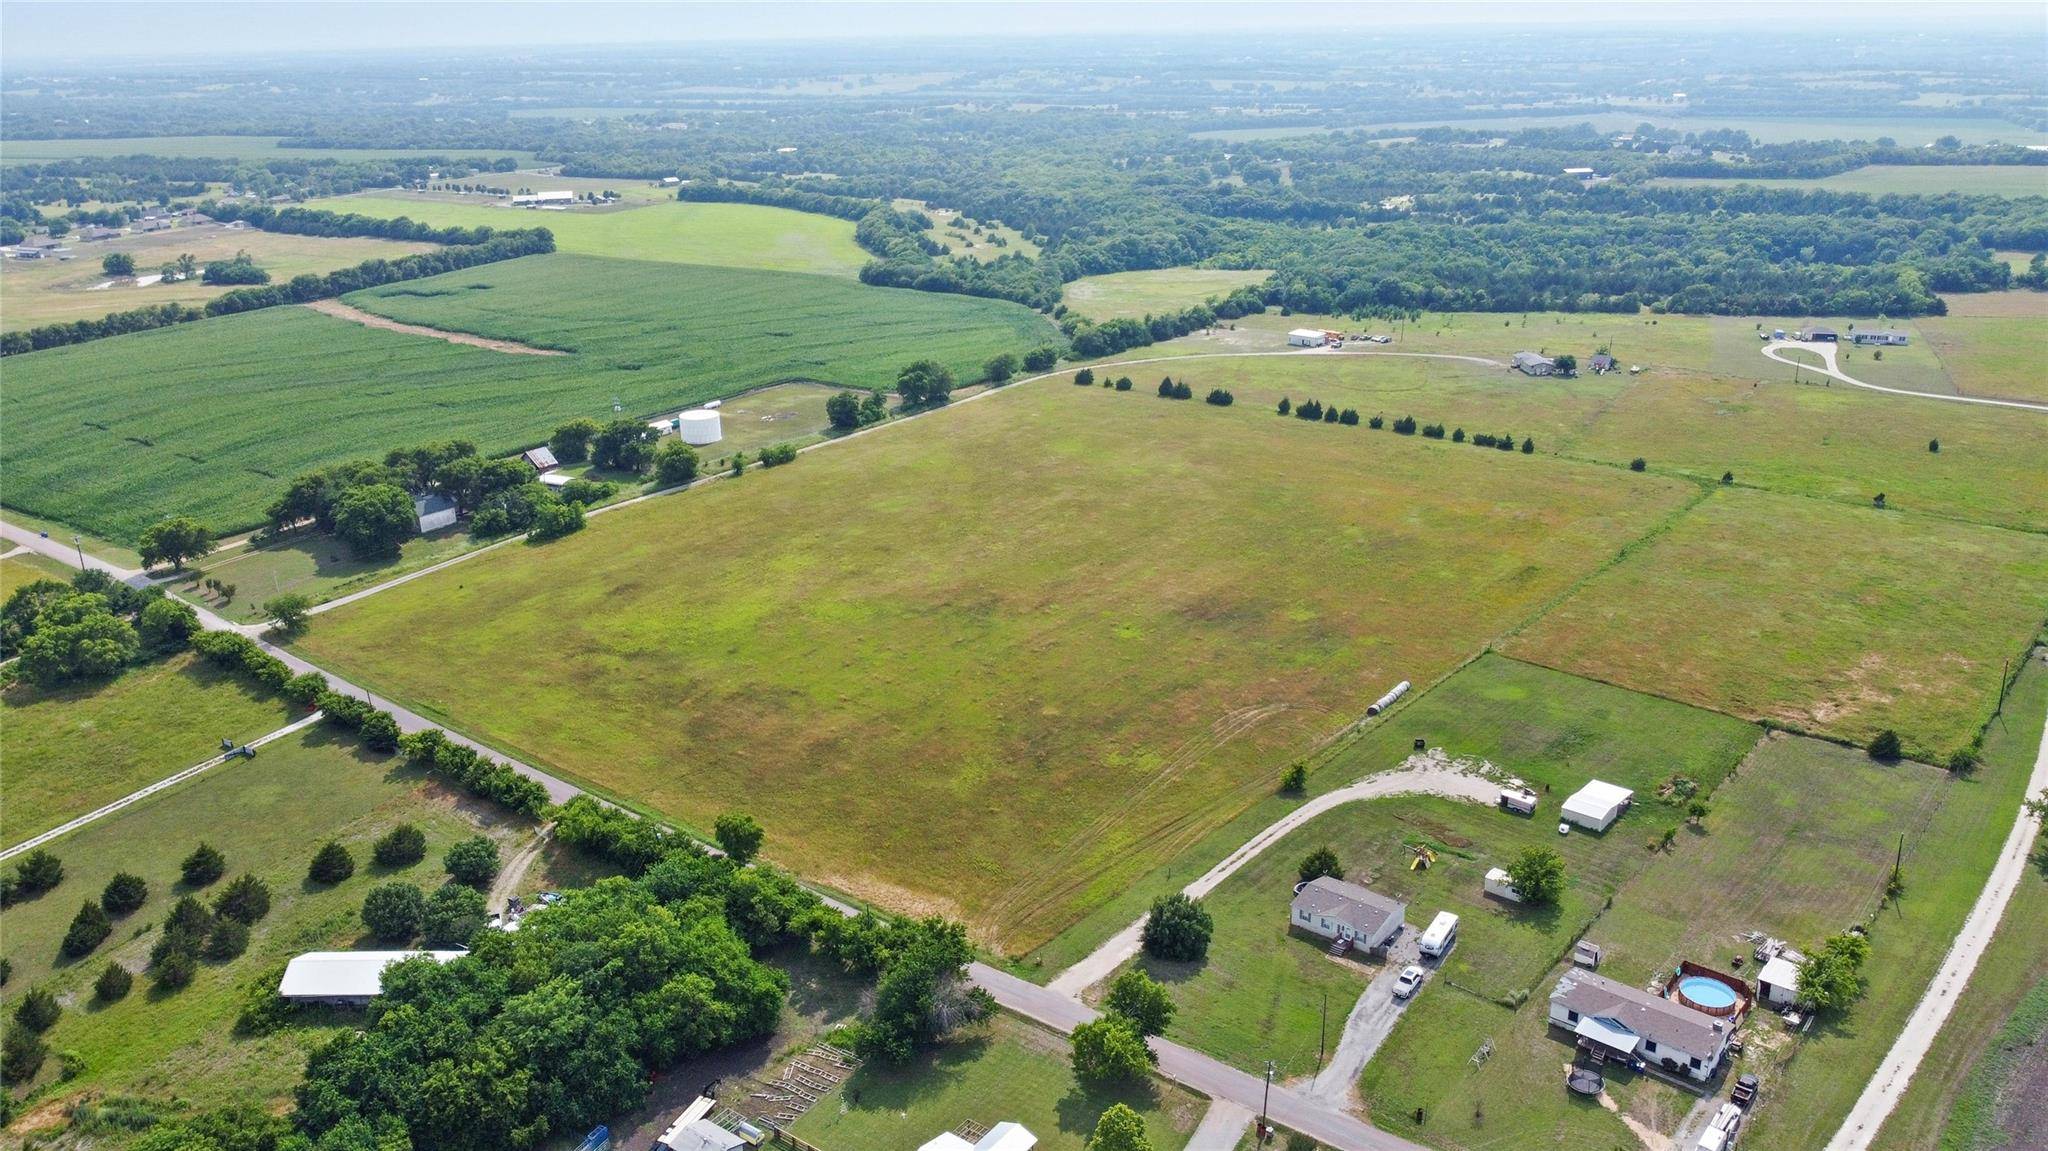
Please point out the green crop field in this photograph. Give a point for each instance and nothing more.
(49, 291)
(1906, 179)
(267, 816)
(1910, 131)
(1006, 1070)
(723, 235)
(1834, 619)
(222, 148)
(1138, 294)
(994, 613)
(212, 418)
(69, 750)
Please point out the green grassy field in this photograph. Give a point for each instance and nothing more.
(1910, 131)
(1992, 355)
(1138, 294)
(267, 816)
(69, 750)
(27, 568)
(1947, 860)
(49, 291)
(319, 566)
(1907, 179)
(221, 148)
(1010, 1071)
(212, 418)
(1833, 619)
(1020, 653)
(722, 235)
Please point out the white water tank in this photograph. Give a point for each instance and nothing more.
(700, 427)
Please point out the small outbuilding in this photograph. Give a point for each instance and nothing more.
(1601, 363)
(434, 512)
(699, 427)
(344, 978)
(1333, 909)
(1500, 886)
(1597, 805)
(1005, 1136)
(1307, 338)
(540, 459)
(1531, 364)
(1778, 982)
(700, 1135)
(1820, 335)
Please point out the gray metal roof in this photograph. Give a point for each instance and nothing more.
(1358, 907)
(1529, 359)
(1670, 1023)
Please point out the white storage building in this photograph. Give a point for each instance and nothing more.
(349, 978)
(1597, 805)
(1307, 338)
(1778, 982)
(1004, 1136)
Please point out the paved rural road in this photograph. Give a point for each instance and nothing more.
(152, 789)
(1893, 1075)
(1826, 352)
(1223, 1125)
(1218, 1081)
(1445, 781)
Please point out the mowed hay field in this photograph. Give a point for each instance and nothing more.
(1001, 660)
(1134, 295)
(724, 235)
(1833, 619)
(212, 418)
(35, 292)
(1903, 179)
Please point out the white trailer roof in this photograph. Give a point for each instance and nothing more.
(344, 974)
(1598, 797)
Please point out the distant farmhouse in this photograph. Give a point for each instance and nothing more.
(1531, 364)
(1884, 336)
(1601, 363)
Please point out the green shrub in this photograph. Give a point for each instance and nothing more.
(402, 846)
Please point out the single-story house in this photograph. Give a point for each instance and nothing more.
(538, 198)
(1819, 336)
(349, 978)
(1578, 171)
(1778, 982)
(1531, 364)
(1601, 362)
(434, 512)
(1631, 1023)
(1001, 1137)
(96, 232)
(1597, 805)
(541, 459)
(41, 242)
(1884, 336)
(1307, 338)
(1334, 909)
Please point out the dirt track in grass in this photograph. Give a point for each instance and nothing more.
(341, 311)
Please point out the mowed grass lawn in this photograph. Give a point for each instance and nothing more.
(66, 751)
(27, 568)
(1993, 355)
(36, 292)
(1134, 295)
(213, 418)
(267, 816)
(1072, 630)
(1258, 995)
(725, 235)
(1006, 1070)
(1834, 619)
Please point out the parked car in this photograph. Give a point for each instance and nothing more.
(1408, 982)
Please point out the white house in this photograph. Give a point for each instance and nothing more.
(1531, 364)
(1886, 337)
(1778, 982)
(1597, 805)
(350, 978)
(1307, 338)
(1334, 909)
(1631, 1023)
(536, 199)
(1001, 1137)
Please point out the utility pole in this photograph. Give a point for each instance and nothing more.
(1266, 1124)
(80, 545)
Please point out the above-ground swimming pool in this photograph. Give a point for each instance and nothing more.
(1708, 994)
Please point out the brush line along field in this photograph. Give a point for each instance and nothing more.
(1071, 630)
(724, 235)
(212, 418)
(255, 148)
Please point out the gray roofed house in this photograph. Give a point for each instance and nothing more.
(1531, 364)
(1601, 362)
(434, 511)
(1334, 909)
(1632, 1022)
(541, 459)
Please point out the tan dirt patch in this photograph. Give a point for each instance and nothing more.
(341, 311)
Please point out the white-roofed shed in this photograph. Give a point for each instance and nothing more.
(344, 977)
(1597, 805)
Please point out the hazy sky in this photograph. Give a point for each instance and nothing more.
(85, 30)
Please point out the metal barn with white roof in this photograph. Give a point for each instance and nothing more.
(1597, 805)
(344, 977)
